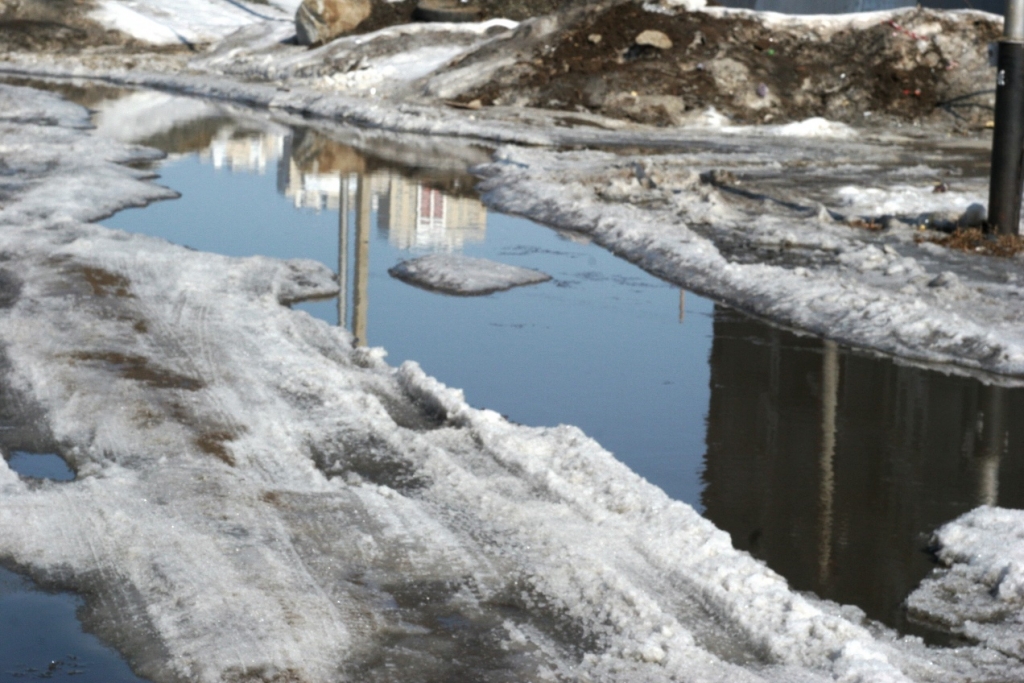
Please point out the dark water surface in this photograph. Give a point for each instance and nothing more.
(831, 466)
(834, 467)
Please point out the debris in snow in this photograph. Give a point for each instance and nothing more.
(459, 274)
(975, 241)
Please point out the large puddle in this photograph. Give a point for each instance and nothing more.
(831, 466)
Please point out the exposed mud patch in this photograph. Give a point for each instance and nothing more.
(367, 459)
(104, 283)
(403, 12)
(140, 369)
(215, 442)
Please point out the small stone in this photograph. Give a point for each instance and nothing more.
(719, 177)
(475, 104)
(654, 39)
(973, 217)
(320, 21)
(762, 90)
(944, 279)
(595, 38)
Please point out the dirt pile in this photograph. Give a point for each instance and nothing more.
(922, 65)
(404, 11)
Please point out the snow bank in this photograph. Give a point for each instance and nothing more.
(980, 593)
(784, 257)
(825, 25)
(256, 500)
(169, 22)
(459, 274)
(387, 61)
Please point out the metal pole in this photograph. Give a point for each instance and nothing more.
(1008, 138)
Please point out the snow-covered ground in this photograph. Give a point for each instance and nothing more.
(780, 252)
(168, 22)
(256, 500)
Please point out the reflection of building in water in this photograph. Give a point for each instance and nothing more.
(835, 467)
(414, 213)
(310, 169)
(244, 152)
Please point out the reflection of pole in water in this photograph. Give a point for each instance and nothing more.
(343, 207)
(993, 443)
(829, 404)
(364, 197)
(682, 305)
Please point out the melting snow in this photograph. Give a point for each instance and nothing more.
(257, 500)
(980, 593)
(167, 22)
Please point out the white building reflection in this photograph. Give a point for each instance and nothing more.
(250, 153)
(422, 210)
(414, 213)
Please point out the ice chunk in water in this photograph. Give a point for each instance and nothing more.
(458, 274)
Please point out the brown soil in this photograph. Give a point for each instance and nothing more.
(391, 13)
(974, 241)
(752, 73)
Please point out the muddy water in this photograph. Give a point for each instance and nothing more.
(831, 466)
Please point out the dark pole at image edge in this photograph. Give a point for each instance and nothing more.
(1008, 138)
